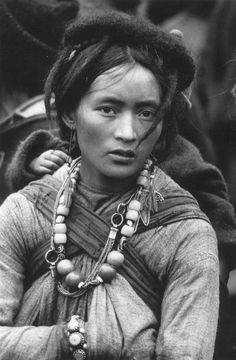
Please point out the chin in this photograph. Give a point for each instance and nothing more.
(122, 173)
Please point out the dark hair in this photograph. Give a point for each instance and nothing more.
(76, 69)
(103, 40)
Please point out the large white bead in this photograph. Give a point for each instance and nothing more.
(107, 272)
(132, 215)
(115, 258)
(127, 230)
(64, 267)
(63, 210)
(134, 205)
(73, 278)
(60, 238)
(60, 228)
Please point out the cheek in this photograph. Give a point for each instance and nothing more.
(86, 130)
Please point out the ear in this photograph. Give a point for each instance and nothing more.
(69, 120)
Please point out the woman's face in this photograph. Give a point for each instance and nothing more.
(111, 119)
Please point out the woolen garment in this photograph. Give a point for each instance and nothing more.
(205, 182)
(30, 36)
(182, 257)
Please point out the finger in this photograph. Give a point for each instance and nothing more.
(52, 165)
(61, 154)
(57, 156)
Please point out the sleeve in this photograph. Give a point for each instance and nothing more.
(190, 304)
(18, 173)
(205, 182)
(17, 231)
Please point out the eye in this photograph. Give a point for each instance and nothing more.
(107, 110)
(147, 115)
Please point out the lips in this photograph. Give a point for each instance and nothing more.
(130, 154)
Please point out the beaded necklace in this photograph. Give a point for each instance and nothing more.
(124, 223)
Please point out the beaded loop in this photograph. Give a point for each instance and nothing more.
(124, 223)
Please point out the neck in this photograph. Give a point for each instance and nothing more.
(109, 185)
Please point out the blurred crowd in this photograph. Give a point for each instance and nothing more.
(30, 35)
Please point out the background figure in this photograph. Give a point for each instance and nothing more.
(217, 92)
(192, 18)
(209, 31)
(30, 34)
(216, 80)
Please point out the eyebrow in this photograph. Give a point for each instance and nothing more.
(151, 103)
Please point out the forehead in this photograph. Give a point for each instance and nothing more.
(129, 81)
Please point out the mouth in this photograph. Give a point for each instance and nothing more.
(123, 155)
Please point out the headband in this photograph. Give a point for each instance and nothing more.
(132, 30)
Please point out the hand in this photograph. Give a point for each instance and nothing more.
(48, 162)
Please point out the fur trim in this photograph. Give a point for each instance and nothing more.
(205, 182)
(18, 174)
(128, 29)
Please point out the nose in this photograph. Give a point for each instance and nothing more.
(125, 127)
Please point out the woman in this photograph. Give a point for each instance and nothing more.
(132, 259)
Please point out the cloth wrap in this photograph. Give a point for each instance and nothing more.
(87, 232)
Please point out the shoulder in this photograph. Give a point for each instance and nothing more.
(18, 209)
(185, 243)
(47, 185)
(174, 196)
(13, 203)
(22, 226)
(167, 185)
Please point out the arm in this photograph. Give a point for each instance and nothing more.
(18, 173)
(19, 233)
(190, 303)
